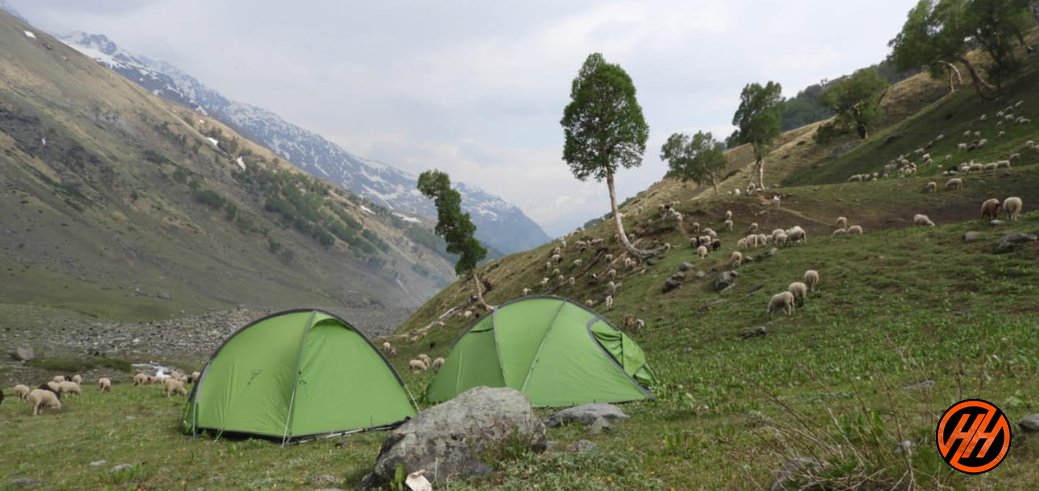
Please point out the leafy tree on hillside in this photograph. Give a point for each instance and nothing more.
(604, 130)
(454, 226)
(996, 24)
(935, 36)
(758, 121)
(694, 159)
(856, 100)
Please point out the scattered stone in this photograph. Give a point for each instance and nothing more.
(581, 446)
(670, 285)
(971, 236)
(23, 353)
(652, 261)
(725, 280)
(1029, 424)
(98, 463)
(586, 415)
(756, 332)
(678, 276)
(1010, 241)
(996, 222)
(449, 439)
(325, 479)
(24, 482)
(120, 468)
(710, 305)
(700, 275)
(926, 384)
(686, 266)
(164, 296)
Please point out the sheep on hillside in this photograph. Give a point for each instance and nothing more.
(753, 227)
(172, 386)
(140, 379)
(990, 209)
(782, 300)
(954, 183)
(21, 391)
(728, 225)
(526, 291)
(842, 222)
(69, 387)
(922, 220)
(77, 379)
(855, 229)
(41, 399)
(437, 363)
(104, 384)
(840, 231)
(736, 259)
(701, 251)
(811, 279)
(609, 302)
(797, 235)
(728, 214)
(799, 290)
(931, 187)
(1013, 206)
(417, 365)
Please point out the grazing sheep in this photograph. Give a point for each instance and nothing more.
(572, 281)
(961, 146)
(736, 259)
(578, 262)
(609, 302)
(783, 300)
(589, 303)
(1013, 206)
(544, 281)
(840, 231)
(437, 363)
(753, 228)
(856, 178)
(954, 183)
(728, 225)
(425, 359)
(855, 229)
(58, 379)
(611, 274)
(558, 258)
(776, 201)
(931, 187)
(780, 238)
(417, 365)
(21, 391)
(526, 291)
(41, 399)
(69, 387)
(811, 278)
(701, 251)
(800, 291)
(195, 375)
(173, 386)
(842, 222)
(51, 386)
(695, 228)
(710, 233)
(609, 258)
(104, 384)
(922, 220)
(797, 235)
(77, 379)
(728, 214)
(140, 379)
(990, 209)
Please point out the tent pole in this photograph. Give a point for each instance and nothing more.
(295, 378)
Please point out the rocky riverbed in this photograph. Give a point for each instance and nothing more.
(186, 341)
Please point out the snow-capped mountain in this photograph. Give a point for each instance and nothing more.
(500, 224)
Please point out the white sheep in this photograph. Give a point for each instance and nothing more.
(736, 259)
(783, 300)
(526, 291)
(1013, 206)
(611, 274)
(572, 281)
(425, 359)
(990, 209)
(609, 258)
(578, 263)
(41, 399)
(855, 229)
(438, 362)
(728, 225)
(954, 183)
(77, 379)
(931, 187)
(58, 379)
(842, 222)
(776, 201)
(609, 302)
(640, 324)
(799, 290)
(195, 375)
(21, 391)
(797, 235)
(922, 220)
(753, 227)
(728, 214)
(840, 231)
(701, 251)
(172, 386)
(104, 384)
(417, 365)
(811, 278)
(544, 281)
(69, 387)
(140, 379)
(589, 303)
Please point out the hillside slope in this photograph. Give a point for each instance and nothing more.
(117, 203)
(742, 392)
(500, 224)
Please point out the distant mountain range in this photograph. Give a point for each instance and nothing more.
(500, 225)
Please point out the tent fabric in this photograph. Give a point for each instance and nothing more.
(294, 374)
(556, 352)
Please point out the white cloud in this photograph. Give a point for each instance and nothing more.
(477, 88)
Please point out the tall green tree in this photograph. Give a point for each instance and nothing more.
(696, 159)
(757, 120)
(856, 100)
(996, 25)
(454, 225)
(604, 130)
(935, 36)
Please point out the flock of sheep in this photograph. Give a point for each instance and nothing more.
(48, 395)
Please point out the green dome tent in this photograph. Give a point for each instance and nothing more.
(294, 374)
(556, 352)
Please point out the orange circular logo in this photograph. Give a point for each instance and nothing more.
(973, 436)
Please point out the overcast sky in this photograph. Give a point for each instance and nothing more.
(477, 88)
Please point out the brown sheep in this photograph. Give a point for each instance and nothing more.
(990, 209)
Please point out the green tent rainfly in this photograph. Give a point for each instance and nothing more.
(556, 352)
(295, 374)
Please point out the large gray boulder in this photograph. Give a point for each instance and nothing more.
(23, 353)
(587, 415)
(1029, 424)
(450, 439)
(725, 280)
(1012, 240)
